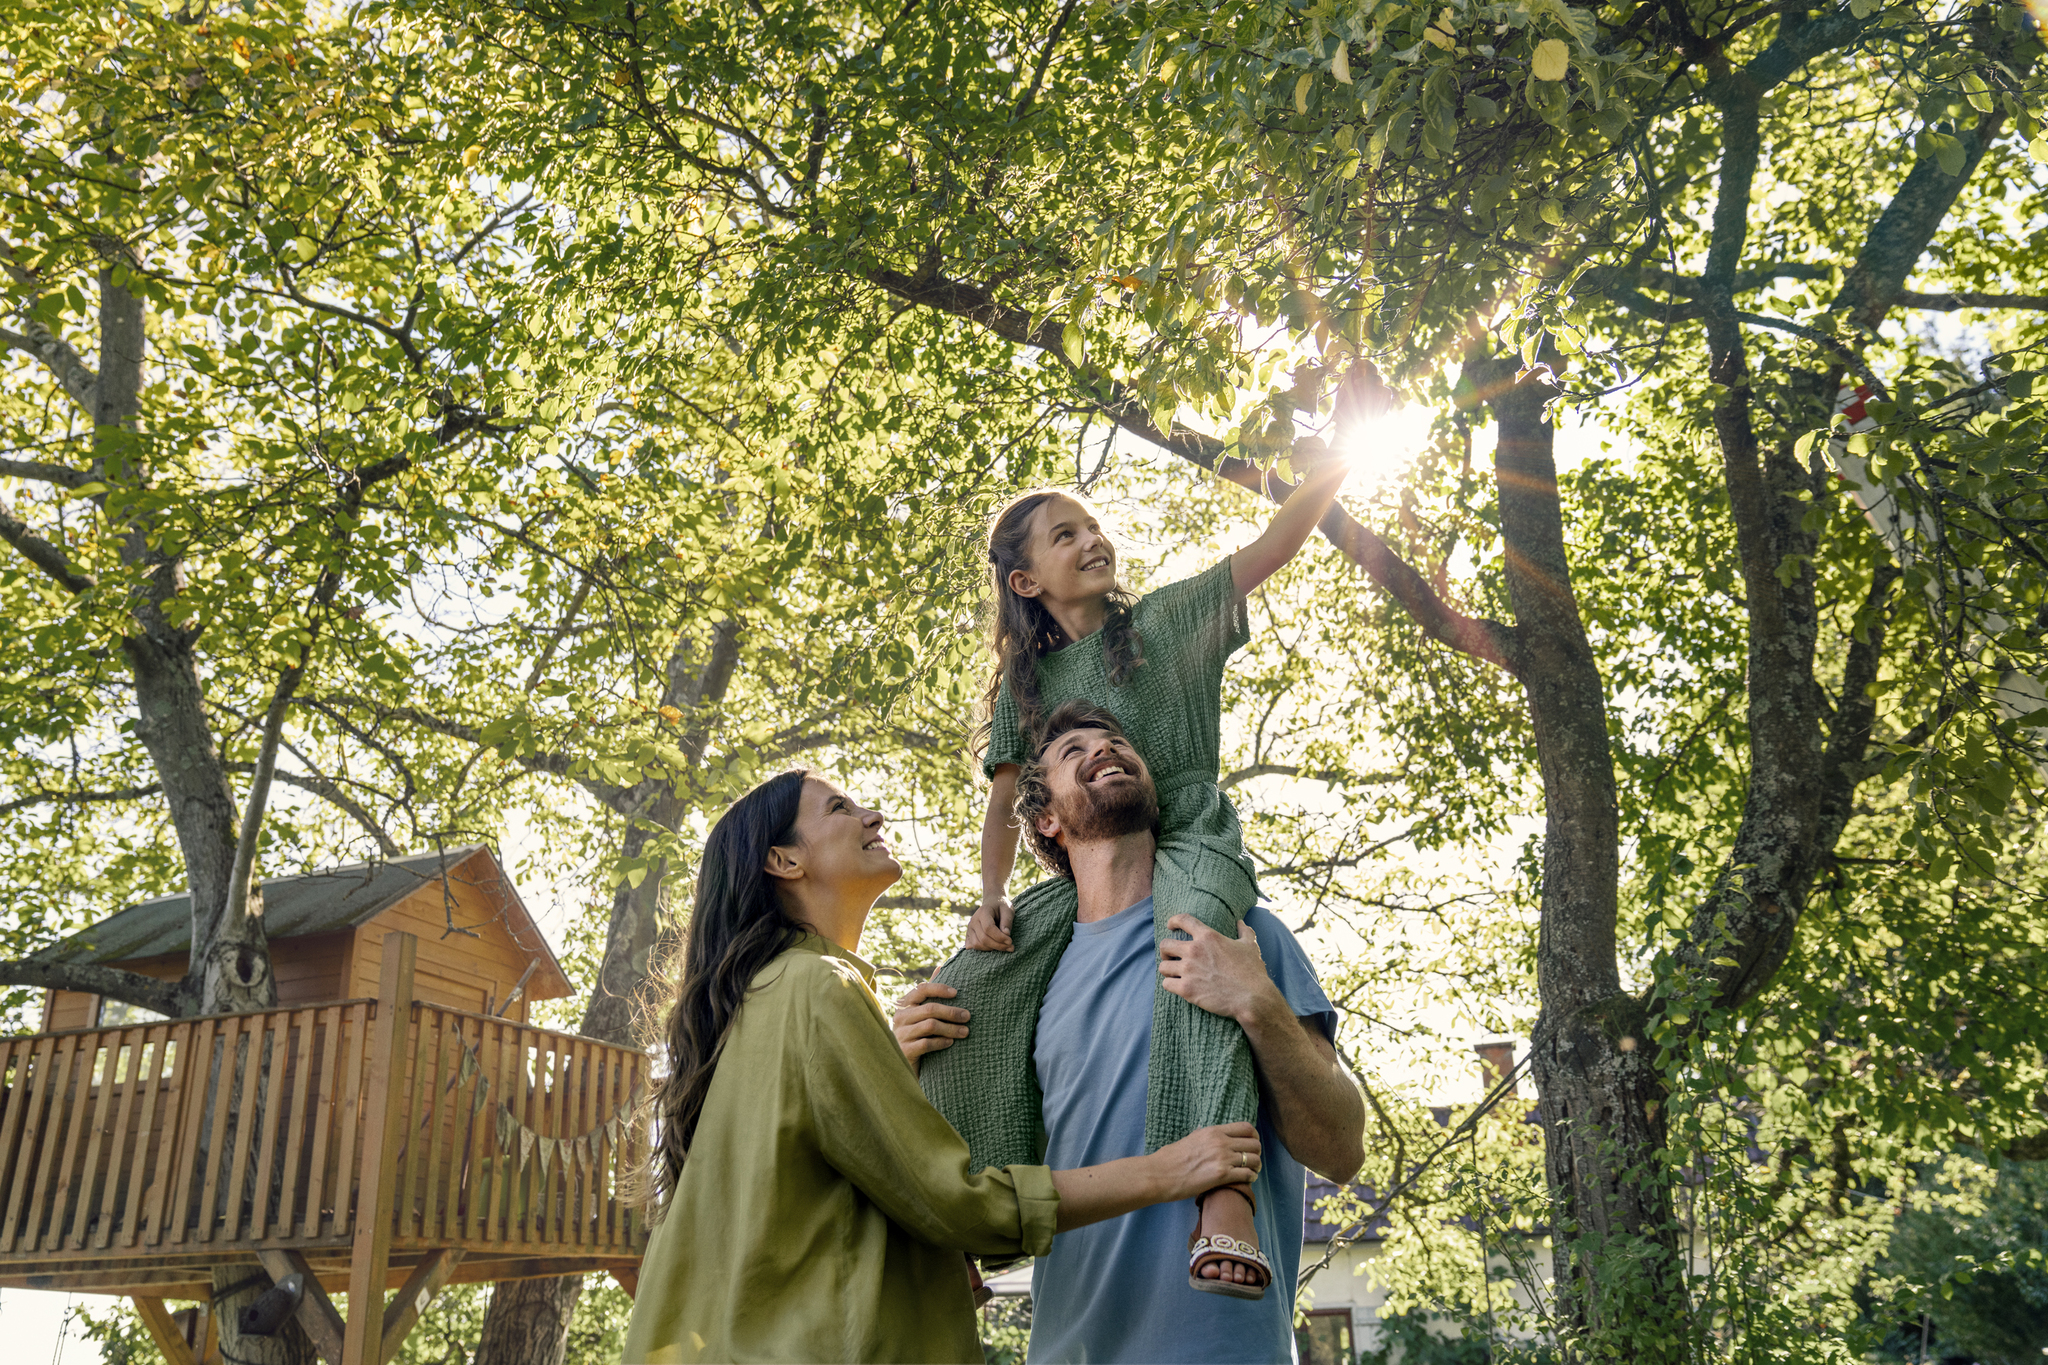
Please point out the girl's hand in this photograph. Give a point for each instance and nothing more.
(1227, 1154)
(989, 929)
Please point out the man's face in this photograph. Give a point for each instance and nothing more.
(1100, 788)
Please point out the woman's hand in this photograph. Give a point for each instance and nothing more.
(989, 929)
(1227, 1154)
(922, 1026)
(1205, 1159)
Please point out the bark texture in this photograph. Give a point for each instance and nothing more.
(527, 1322)
(1617, 1258)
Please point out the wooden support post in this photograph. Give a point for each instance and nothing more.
(383, 1115)
(164, 1330)
(428, 1278)
(316, 1311)
(629, 1280)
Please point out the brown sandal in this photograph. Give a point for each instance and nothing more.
(1223, 1247)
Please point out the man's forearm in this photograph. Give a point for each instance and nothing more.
(1316, 1109)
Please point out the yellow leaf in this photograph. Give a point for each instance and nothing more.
(671, 714)
(1340, 65)
(1438, 37)
(306, 247)
(1552, 60)
(1127, 281)
(1301, 93)
(471, 154)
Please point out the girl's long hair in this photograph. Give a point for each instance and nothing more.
(1022, 631)
(736, 929)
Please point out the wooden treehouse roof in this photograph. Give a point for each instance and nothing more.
(345, 897)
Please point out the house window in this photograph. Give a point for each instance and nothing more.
(120, 1014)
(1324, 1337)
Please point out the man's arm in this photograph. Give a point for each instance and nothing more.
(1317, 1113)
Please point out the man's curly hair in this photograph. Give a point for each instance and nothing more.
(1034, 785)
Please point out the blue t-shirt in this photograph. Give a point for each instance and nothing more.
(1118, 1290)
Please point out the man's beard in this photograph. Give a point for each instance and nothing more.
(1098, 814)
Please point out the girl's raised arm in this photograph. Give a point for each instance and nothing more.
(1288, 530)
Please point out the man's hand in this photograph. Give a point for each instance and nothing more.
(1224, 976)
(989, 929)
(922, 1026)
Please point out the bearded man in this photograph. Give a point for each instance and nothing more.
(1118, 1291)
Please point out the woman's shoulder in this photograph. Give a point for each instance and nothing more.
(803, 977)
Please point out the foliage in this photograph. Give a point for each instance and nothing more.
(1977, 1267)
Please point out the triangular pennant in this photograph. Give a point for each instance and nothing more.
(547, 1153)
(611, 1130)
(525, 1145)
(507, 1126)
(468, 1065)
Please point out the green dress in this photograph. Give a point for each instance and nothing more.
(1200, 1071)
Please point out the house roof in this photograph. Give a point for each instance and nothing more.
(317, 902)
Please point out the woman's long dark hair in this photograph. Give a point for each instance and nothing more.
(736, 929)
(1022, 631)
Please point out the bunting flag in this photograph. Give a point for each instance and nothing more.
(584, 1151)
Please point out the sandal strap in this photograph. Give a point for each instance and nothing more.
(1224, 1245)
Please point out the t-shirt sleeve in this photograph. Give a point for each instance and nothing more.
(1291, 971)
(1205, 615)
(1005, 737)
(874, 1125)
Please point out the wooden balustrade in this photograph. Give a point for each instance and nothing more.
(134, 1159)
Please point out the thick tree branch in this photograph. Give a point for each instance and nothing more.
(55, 564)
(42, 471)
(1900, 235)
(91, 979)
(1488, 641)
(59, 357)
(330, 791)
(75, 798)
(1794, 47)
(1949, 303)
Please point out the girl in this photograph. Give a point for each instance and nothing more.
(805, 1186)
(1064, 629)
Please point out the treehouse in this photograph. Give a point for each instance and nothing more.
(395, 1123)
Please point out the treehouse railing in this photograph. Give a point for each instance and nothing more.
(181, 1140)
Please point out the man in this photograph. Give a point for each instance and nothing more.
(1118, 1291)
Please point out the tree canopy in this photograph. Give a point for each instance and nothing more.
(596, 398)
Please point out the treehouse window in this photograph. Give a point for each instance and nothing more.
(120, 1014)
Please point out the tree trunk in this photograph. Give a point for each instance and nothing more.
(527, 1322)
(230, 962)
(1614, 1245)
(522, 1313)
(229, 966)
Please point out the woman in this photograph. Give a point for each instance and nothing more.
(812, 1204)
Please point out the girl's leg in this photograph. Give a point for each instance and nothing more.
(1223, 1253)
(985, 1084)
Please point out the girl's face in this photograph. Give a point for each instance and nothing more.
(1071, 559)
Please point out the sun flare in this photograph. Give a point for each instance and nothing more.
(1381, 448)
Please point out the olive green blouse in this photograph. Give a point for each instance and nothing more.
(824, 1205)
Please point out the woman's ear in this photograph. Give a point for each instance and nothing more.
(783, 863)
(1023, 584)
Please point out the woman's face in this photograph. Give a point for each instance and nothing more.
(1071, 559)
(839, 847)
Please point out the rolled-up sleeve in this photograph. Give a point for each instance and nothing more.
(874, 1125)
